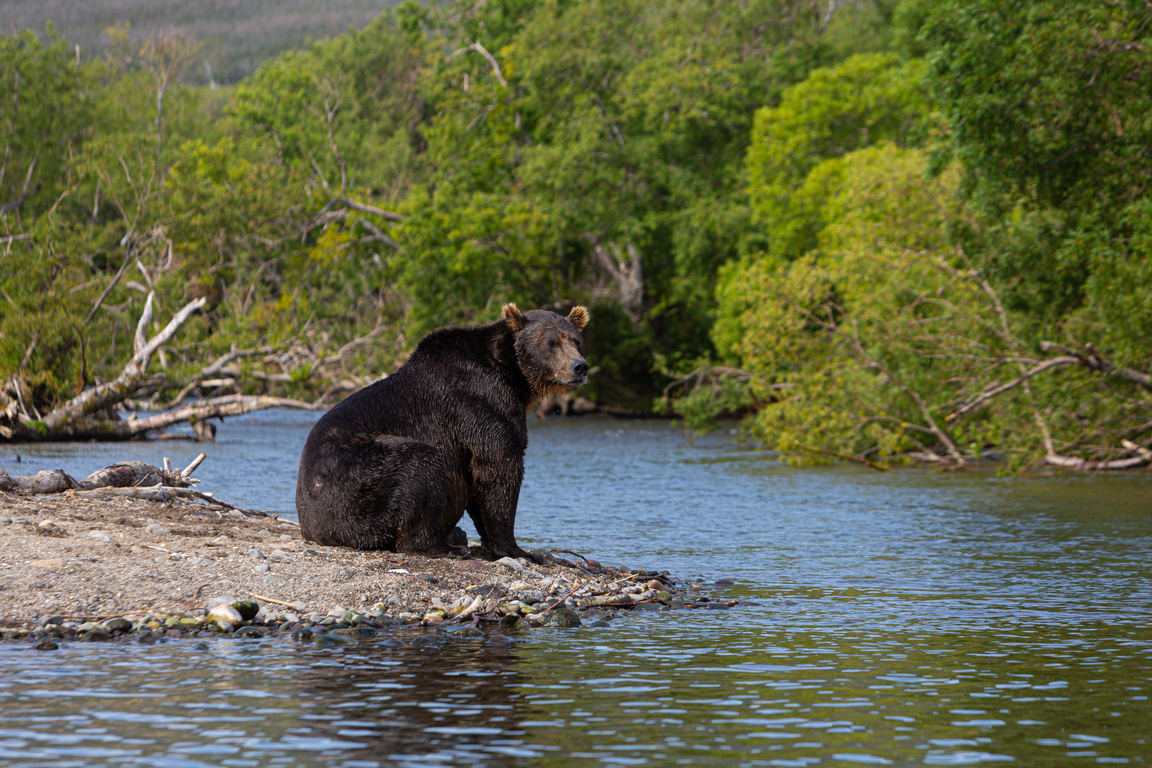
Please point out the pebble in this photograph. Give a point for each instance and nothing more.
(52, 620)
(285, 537)
(509, 562)
(157, 529)
(119, 625)
(201, 646)
(98, 535)
(248, 609)
(279, 554)
(147, 638)
(224, 613)
(46, 644)
(249, 632)
(725, 583)
(562, 617)
(226, 626)
(262, 568)
(500, 640)
(257, 554)
(5, 521)
(331, 641)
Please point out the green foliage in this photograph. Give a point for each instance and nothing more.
(868, 99)
(902, 300)
(854, 228)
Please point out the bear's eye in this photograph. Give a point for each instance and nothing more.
(552, 344)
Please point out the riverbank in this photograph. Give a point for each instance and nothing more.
(74, 567)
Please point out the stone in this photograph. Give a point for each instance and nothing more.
(336, 610)
(303, 635)
(48, 564)
(157, 529)
(146, 638)
(562, 617)
(356, 632)
(247, 609)
(292, 618)
(599, 600)
(51, 630)
(249, 632)
(222, 600)
(56, 619)
(46, 644)
(257, 554)
(285, 537)
(649, 607)
(175, 634)
(500, 640)
(597, 623)
(103, 537)
(725, 583)
(663, 596)
(331, 641)
(225, 612)
(512, 564)
(5, 521)
(654, 585)
(200, 646)
(226, 627)
(279, 554)
(467, 631)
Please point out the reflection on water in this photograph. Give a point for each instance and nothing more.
(899, 618)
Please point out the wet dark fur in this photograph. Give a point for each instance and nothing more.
(396, 465)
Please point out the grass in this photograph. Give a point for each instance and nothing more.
(236, 34)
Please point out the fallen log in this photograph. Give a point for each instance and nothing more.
(127, 479)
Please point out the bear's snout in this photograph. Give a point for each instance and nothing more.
(580, 368)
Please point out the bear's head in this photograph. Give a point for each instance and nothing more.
(549, 348)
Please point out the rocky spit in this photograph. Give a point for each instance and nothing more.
(129, 570)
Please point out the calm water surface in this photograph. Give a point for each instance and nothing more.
(905, 618)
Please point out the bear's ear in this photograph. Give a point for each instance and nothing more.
(578, 317)
(513, 318)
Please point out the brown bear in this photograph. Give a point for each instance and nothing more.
(396, 465)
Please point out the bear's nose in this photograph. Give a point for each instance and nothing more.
(580, 368)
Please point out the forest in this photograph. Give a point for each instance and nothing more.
(882, 231)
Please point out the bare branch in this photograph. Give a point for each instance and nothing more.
(483, 52)
(988, 394)
(1090, 358)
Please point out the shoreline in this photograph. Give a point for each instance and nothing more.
(77, 568)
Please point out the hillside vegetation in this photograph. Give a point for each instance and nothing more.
(236, 35)
(883, 231)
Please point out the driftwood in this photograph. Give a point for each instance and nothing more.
(128, 479)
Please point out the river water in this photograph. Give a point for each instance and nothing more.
(900, 618)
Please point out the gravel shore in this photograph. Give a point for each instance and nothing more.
(74, 565)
